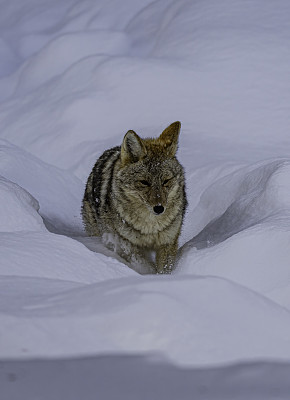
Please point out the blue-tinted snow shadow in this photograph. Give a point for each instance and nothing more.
(140, 378)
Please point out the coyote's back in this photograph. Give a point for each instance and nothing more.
(136, 194)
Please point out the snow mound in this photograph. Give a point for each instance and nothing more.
(19, 210)
(58, 192)
(53, 256)
(247, 238)
(243, 198)
(141, 315)
(257, 258)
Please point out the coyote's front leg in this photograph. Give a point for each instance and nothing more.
(134, 256)
(165, 258)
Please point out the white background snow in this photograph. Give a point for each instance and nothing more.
(75, 76)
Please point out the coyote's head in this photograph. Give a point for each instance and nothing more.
(150, 177)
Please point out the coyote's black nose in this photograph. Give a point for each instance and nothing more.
(158, 209)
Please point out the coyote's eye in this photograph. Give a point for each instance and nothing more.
(164, 183)
(145, 183)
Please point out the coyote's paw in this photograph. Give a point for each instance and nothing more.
(167, 269)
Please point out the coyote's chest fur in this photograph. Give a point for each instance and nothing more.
(137, 192)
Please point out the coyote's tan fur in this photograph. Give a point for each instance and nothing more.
(136, 192)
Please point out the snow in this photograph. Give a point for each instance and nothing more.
(141, 378)
(75, 76)
(19, 209)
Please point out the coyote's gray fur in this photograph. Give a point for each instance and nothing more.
(136, 193)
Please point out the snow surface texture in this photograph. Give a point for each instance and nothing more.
(74, 77)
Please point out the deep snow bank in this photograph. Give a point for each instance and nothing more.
(18, 209)
(58, 192)
(191, 320)
(251, 209)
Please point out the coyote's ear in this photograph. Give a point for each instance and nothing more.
(169, 138)
(132, 149)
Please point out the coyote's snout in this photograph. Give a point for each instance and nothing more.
(137, 193)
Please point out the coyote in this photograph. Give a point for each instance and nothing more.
(135, 194)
